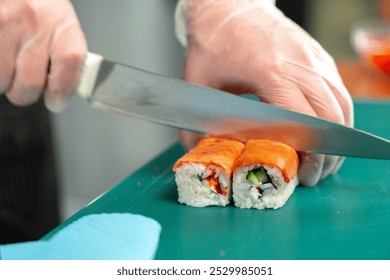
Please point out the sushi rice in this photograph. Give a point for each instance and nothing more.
(273, 195)
(194, 188)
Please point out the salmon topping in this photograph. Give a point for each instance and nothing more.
(272, 153)
(213, 151)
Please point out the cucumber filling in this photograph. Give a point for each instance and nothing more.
(260, 180)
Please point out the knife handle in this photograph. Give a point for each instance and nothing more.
(89, 75)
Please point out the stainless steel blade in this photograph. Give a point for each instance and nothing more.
(178, 104)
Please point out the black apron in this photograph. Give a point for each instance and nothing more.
(28, 182)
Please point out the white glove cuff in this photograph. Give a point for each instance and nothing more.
(181, 20)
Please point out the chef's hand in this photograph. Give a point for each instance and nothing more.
(249, 46)
(42, 49)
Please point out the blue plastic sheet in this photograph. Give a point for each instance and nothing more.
(115, 236)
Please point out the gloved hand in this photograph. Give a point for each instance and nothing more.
(42, 48)
(249, 46)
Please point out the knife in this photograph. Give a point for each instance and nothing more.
(172, 102)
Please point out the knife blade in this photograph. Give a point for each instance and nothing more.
(176, 103)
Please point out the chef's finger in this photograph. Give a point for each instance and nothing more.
(68, 53)
(310, 169)
(30, 75)
(8, 52)
(320, 97)
(329, 166)
(280, 92)
(345, 101)
(337, 165)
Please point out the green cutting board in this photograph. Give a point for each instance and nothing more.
(346, 216)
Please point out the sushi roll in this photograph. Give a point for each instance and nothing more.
(265, 175)
(203, 175)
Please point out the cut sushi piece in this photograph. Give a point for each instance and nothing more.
(265, 175)
(203, 175)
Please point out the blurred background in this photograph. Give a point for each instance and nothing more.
(95, 150)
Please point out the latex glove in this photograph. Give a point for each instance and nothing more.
(249, 46)
(42, 48)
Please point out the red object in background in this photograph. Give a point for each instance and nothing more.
(380, 61)
(377, 52)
